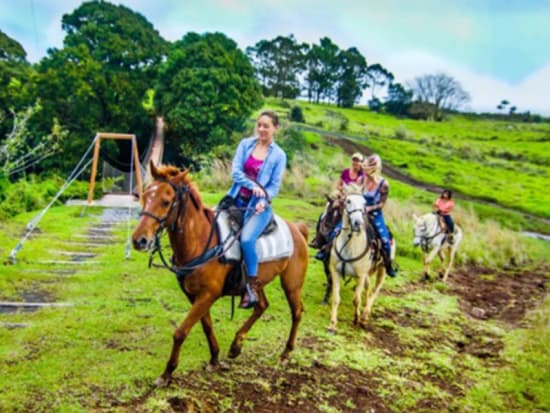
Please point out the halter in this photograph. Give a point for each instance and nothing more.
(364, 252)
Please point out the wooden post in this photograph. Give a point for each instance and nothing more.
(94, 169)
(137, 168)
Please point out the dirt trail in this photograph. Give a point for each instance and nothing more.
(349, 145)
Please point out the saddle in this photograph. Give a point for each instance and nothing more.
(274, 243)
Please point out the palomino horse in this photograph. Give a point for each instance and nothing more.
(172, 202)
(429, 234)
(354, 253)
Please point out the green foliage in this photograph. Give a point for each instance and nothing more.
(278, 63)
(322, 70)
(352, 69)
(15, 75)
(296, 114)
(292, 142)
(33, 193)
(206, 90)
(98, 81)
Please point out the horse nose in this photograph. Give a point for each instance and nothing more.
(140, 243)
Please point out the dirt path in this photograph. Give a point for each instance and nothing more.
(249, 385)
(349, 145)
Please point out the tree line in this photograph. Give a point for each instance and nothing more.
(115, 73)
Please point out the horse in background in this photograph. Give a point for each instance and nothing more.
(329, 218)
(355, 252)
(431, 237)
(173, 202)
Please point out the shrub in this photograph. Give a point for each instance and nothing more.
(296, 114)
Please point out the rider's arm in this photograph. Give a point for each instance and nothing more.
(384, 191)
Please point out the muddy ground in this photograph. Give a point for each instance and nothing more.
(483, 295)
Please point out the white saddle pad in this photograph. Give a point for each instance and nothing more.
(274, 246)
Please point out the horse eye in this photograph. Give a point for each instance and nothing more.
(165, 204)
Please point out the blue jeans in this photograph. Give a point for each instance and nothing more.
(254, 225)
(381, 229)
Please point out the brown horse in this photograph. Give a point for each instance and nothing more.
(173, 202)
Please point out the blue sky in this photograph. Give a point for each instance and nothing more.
(497, 49)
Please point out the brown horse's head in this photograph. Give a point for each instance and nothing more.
(164, 202)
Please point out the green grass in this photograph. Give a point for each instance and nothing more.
(106, 350)
(500, 161)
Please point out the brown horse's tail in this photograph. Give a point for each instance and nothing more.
(303, 229)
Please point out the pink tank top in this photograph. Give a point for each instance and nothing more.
(347, 179)
(251, 169)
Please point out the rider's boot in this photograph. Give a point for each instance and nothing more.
(450, 238)
(322, 254)
(315, 243)
(250, 296)
(388, 264)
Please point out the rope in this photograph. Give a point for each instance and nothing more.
(32, 224)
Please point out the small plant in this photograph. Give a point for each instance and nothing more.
(297, 115)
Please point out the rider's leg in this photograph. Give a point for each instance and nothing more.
(450, 226)
(384, 235)
(252, 229)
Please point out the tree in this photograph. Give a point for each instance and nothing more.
(278, 63)
(351, 73)
(377, 76)
(15, 73)
(321, 70)
(502, 105)
(206, 89)
(441, 92)
(100, 77)
(399, 99)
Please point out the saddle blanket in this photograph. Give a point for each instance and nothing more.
(271, 247)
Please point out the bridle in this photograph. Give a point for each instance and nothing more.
(180, 191)
(367, 245)
(425, 240)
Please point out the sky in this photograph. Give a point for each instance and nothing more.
(496, 49)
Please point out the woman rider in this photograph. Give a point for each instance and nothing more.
(376, 190)
(257, 172)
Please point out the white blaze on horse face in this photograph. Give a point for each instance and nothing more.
(355, 207)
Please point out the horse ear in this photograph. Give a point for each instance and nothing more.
(328, 198)
(154, 171)
(415, 217)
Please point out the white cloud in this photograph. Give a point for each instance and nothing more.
(486, 91)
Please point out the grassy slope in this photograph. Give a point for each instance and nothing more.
(103, 353)
(495, 160)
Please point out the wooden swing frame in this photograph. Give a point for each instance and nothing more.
(108, 135)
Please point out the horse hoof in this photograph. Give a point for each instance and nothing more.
(162, 382)
(426, 277)
(441, 275)
(234, 351)
(331, 331)
(324, 302)
(213, 367)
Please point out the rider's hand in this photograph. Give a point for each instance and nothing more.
(259, 192)
(260, 207)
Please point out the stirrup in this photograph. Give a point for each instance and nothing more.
(249, 299)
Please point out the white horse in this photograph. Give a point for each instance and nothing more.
(353, 254)
(429, 234)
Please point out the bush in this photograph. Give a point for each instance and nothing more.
(296, 114)
(33, 193)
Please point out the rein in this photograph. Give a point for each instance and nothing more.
(207, 255)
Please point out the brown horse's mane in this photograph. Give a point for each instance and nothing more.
(177, 176)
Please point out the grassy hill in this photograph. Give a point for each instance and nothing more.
(500, 161)
(478, 343)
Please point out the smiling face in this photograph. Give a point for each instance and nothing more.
(265, 128)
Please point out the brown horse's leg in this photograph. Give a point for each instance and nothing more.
(198, 310)
(294, 298)
(236, 345)
(206, 322)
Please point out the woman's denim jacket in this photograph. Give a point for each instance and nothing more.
(269, 176)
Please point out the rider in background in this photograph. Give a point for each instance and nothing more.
(443, 206)
(376, 190)
(348, 176)
(257, 172)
